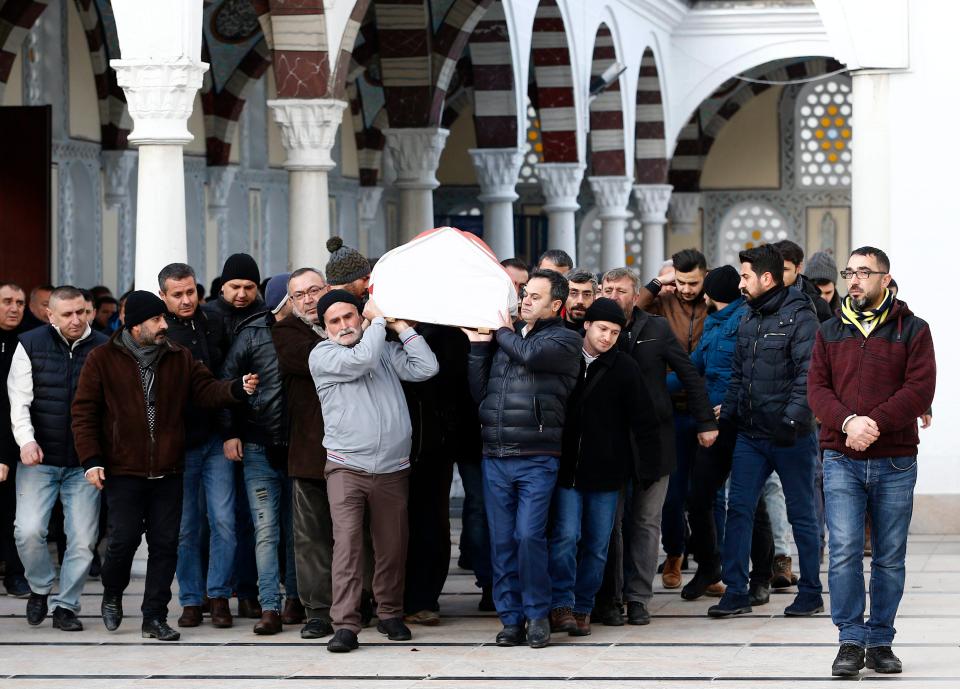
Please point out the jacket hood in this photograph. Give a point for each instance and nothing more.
(727, 312)
(257, 320)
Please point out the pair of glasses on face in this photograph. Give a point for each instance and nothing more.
(312, 292)
(862, 274)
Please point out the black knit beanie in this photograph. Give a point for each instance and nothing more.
(604, 309)
(240, 267)
(723, 284)
(345, 264)
(141, 306)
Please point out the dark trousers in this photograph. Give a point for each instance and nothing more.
(475, 537)
(673, 522)
(428, 552)
(8, 511)
(313, 546)
(710, 470)
(137, 506)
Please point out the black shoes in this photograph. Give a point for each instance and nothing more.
(637, 613)
(608, 615)
(159, 630)
(538, 632)
(731, 604)
(805, 605)
(395, 629)
(882, 660)
(36, 608)
(343, 641)
(759, 593)
(697, 587)
(849, 661)
(65, 620)
(316, 628)
(16, 586)
(486, 601)
(511, 635)
(111, 609)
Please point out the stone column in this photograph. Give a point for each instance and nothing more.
(220, 179)
(497, 172)
(611, 196)
(368, 208)
(160, 95)
(415, 153)
(684, 212)
(561, 187)
(653, 200)
(870, 181)
(117, 168)
(308, 128)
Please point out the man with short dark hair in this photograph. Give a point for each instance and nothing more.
(90, 311)
(872, 374)
(208, 481)
(36, 314)
(41, 385)
(521, 380)
(128, 428)
(104, 309)
(766, 401)
(557, 260)
(793, 277)
(583, 290)
(518, 271)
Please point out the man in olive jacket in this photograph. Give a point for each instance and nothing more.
(522, 382)
(128, 429)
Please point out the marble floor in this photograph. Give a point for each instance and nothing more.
(680, 648)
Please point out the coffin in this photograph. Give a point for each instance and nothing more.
(443, 276)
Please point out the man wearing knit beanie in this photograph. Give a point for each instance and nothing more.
(347, 269)
(822, 272)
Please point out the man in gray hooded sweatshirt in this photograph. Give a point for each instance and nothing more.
(367, 436)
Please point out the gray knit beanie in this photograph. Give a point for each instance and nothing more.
(821, 266)
(345, 264)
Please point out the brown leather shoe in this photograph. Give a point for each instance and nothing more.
(220, 614)
(715, 590)
(269, 623)
(561, 620)
(583, 624)
(249, 608)
(672, 578)
(783, 576)
(293, 612)
(192, 616)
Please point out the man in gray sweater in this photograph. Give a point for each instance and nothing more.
(367, 436)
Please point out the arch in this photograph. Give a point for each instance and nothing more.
(651, 143)
(115, 121)
(369, 138)
(495, 113)
(17, 17)
(555, 99)
(607, 144)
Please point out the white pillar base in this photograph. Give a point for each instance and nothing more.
(611, 196)
(497, 172)
(561, 187)
(653, 200)
(415, 153)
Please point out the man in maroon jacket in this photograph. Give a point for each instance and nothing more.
(872, 374)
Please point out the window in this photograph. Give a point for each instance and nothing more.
(750, 224)
(589, 247)
(824, 134)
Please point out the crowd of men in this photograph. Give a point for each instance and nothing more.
(287, 444)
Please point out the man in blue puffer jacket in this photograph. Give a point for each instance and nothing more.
(522, 380)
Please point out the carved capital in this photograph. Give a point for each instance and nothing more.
(684, 212)
(369, 203)
(611, 195)
(117, 168)
(308, 128)
(653, 200)
(560, 183)
(160, 97)
(497, 172)
(415, 154)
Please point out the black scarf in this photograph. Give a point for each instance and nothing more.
(147, 358)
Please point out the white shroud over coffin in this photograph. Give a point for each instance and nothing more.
(443, 276)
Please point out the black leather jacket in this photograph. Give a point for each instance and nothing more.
(522, 385)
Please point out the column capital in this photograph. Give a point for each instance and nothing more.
(653, 200)
(415, 153)
(160, 96)
(560, 183)
(611, 195)
(497, 172)
(117, 168)
(684, 211)
(308, 130)
(369, 203)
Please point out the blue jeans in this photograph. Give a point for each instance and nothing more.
(852, 487)
(673, 521)
(475, 536)
(582, 523)
(208, 493)
(753, 461)
(38, 487)
(269, 496)
(777, 511)
(517, 494)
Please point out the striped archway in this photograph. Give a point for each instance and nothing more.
(16, 19)
(651, 143)
(495, 113)
(115, 121)
(553, 95)
(607, 156)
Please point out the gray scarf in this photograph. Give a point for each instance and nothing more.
(147, 358)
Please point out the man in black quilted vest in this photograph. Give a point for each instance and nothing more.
(41, 386)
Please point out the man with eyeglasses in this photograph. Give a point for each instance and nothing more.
(294, 338)
(873, 372)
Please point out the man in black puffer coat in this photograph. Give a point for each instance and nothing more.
(522, 382)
